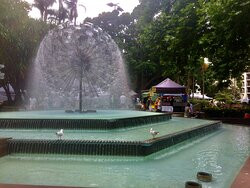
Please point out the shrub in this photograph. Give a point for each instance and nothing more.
(203, 103)
(213, 112)
(226, 112)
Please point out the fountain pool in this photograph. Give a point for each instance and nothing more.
(221, 153)
(109, 148)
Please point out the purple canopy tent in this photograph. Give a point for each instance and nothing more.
(168, 86)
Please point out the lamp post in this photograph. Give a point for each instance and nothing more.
(193, 87)
(204, 68)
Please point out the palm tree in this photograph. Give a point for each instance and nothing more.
(48, 3)
(116, 6)
(62, 12)
(39, 4)
(72, 6)
(52, 15)
(43, 7)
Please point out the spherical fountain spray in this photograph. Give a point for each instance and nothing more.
(81, 63)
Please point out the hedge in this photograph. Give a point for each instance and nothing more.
(226, 112)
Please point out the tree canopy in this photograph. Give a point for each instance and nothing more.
(167, 38)
(19, 39)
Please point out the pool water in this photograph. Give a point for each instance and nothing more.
(140, 133)
(221, 153)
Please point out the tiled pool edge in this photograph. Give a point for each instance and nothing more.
(102, 147)
(9, 123)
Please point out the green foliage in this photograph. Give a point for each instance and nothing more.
(200, 102)
(114, 23)
(224, 97)
(171, 39)
(225, 36)
(19, 39)
(121, 27)
(174, 36)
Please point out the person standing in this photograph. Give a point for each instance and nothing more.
(191, 111)
(33, 103)
(187, 110)
(159, 104)
(123, 100)
(149, 104)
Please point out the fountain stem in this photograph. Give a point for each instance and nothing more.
(80, 88)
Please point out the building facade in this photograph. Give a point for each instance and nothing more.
(246, 87)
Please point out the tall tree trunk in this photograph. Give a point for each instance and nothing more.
(149, 82)
(18, 98)
(42, 14)
(189, 83)
(8, 94)
(142, 81)
(45, 15)
(60, 12)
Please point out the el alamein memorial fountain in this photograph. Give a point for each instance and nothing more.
(78, 68)
(77, 79)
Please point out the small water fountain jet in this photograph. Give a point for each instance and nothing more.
(78, 62)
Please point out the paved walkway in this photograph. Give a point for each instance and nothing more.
(242, 180)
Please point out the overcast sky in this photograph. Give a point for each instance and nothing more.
(94, 7)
